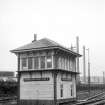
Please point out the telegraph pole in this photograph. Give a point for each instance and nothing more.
(103, 77)
(88, 71)
(84, 65)
(77, 45)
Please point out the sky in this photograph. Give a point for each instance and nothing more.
(58, 20)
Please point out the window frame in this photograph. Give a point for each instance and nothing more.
(31, 63)
(24, 67)
(44, 62)
(38, 58)
(37, 62)
(49, 62)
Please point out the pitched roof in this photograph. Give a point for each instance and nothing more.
(40, 45)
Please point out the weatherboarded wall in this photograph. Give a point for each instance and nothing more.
(36, 90)
(68, 88)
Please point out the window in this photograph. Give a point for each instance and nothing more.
(66, 63)
(42, 62)
(70, 64)
(24, 63)
(36, 63)
(63, 63)
(61, 90)
(49, 61)
(30, 63)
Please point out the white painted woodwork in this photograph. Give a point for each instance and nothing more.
(66, 88)
(41, 90)
(44, 90)
(74, 85)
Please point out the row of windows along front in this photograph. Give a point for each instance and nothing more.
(36, 62)
(46, 62)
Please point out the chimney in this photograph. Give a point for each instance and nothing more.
(71, 47)
(35, 37)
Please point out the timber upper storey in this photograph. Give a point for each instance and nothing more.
(46, 54)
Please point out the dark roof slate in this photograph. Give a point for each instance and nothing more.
(40, 44)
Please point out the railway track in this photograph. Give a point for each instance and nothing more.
(98, 99)
(85, 94)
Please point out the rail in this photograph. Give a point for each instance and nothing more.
(98, 99)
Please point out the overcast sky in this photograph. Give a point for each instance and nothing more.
(59, 20)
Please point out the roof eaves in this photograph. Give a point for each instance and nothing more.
(67, 50)
(32, 49)
(45, 48)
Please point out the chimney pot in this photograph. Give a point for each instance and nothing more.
(35, 37)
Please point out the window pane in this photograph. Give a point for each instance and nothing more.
(70, 64)
(42, 62)
(49, 61)
(24, 62)
(63, 63)
(30, 63)
(36, 62)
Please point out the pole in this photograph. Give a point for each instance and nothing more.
(77, 41)
(84, 65)
(18, 78)
(88, 71)
(89, 76)
(77, 45)
(103, 77)
(55, 88)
